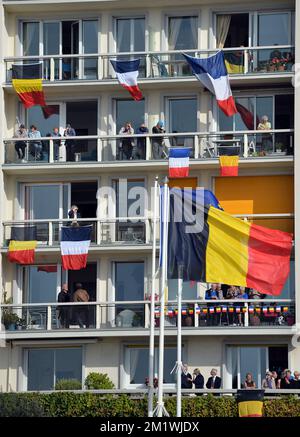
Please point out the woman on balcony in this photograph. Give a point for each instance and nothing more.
(127, 143)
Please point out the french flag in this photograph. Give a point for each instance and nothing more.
(179, 160)
(212, 73)
(74, 245)
(127, 73)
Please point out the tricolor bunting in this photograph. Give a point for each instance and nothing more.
(226, 249)
(212, 73)
(74, 244)
(27, 82)
(179, 161)
(229, 165)
(127, 73)
(21, 249)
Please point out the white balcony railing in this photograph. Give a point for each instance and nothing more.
(198, 314)
(275, 143)
(242, 61)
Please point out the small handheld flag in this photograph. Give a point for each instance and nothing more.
(27, 82)
(74, 244)
(229, 165)
(179, 159)
(127, 73)
(212, 73)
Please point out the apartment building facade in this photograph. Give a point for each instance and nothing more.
(75, 41)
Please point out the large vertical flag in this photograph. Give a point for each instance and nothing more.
(250, 403)
(21, 249)
(213, 246)
(212, 73)
(74, 244)
(229, 165)
(27, 82)
(127, 73)
(179, 162)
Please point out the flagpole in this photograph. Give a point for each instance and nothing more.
(152, 307)
(160, 409)
(179, 358)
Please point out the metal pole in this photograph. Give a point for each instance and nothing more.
(152, 307)
(179, 359)
(160, 410)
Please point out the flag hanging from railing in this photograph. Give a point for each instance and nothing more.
(212, 73)
(21, 249)
(179, 162)
(213, 246)
(74, 244)
(127, 73)
(27, 82)
(229, 165)
(250, 402)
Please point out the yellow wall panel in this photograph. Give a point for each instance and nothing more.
(183, 182)
(256, 194)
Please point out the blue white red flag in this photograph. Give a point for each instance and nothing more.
(74, 244)
(179, 161)
(127, 73)
(213, 74)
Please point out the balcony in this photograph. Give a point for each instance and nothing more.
(197, 315)
(275, 144)
(241, 62)
(126, 231)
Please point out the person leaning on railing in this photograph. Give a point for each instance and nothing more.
(158, 147)
(20, 146)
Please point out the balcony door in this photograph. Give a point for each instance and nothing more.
(181, 117)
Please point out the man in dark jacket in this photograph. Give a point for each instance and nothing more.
(64, 311)
(186, 377)
(214, 381)
(81, 312)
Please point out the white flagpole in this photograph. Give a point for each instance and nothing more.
(152, 307)
(179, 358)
(160, 409)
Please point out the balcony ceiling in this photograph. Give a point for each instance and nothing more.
(79, 5)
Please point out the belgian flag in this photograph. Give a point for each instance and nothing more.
(21, 249)
(234, 62)
(229, 165)
(27, 82)
(209, 245)
(250, 402)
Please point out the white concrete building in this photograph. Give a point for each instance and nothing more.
(75, 40)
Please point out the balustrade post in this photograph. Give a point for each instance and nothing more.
(50, 233)
(49, 318)
(246, 315)
(100, 67)
(98, 232)
(246, 61)
(246, 146)
(148, 148)
(148, 66)
(196, 318)
(98, 316)
(52, 69)
(51, 151)
(99, 149)
(147, 315)
(196, 146)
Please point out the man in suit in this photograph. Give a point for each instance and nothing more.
(186, 377)
(214, 381)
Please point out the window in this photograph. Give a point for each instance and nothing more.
(129, 110)
(129, 285)
(40, 284)
(136, 365)
(183, 33)
(253, 359)
(31, 38)
(130, 37)
(182, 117)
(47, 366)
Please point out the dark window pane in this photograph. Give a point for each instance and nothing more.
(68, 364)
(40, 369)
(129, 280)
(129, 110)
(30, 39)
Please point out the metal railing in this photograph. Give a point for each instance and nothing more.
(275, 144)
(132, 315)
(121, 230)
(242, 61)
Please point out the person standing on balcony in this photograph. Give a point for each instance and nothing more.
(249, 383)
(158, 142)
(81, 312)
(141, 142)
(35, 146)
(56, 143)
(214, 381)
(266, 139)
(198, 380)
(70, 143)
(64, 311)
(74, 215)
(20, 146)
(127, 143)
(186, 377)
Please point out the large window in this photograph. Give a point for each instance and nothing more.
(254, 359)
(182, 117)
(136, 365)
(40, 283)
(129, 110)
(47, 366)
(130, 34)
(183, 33)
(129, 286)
